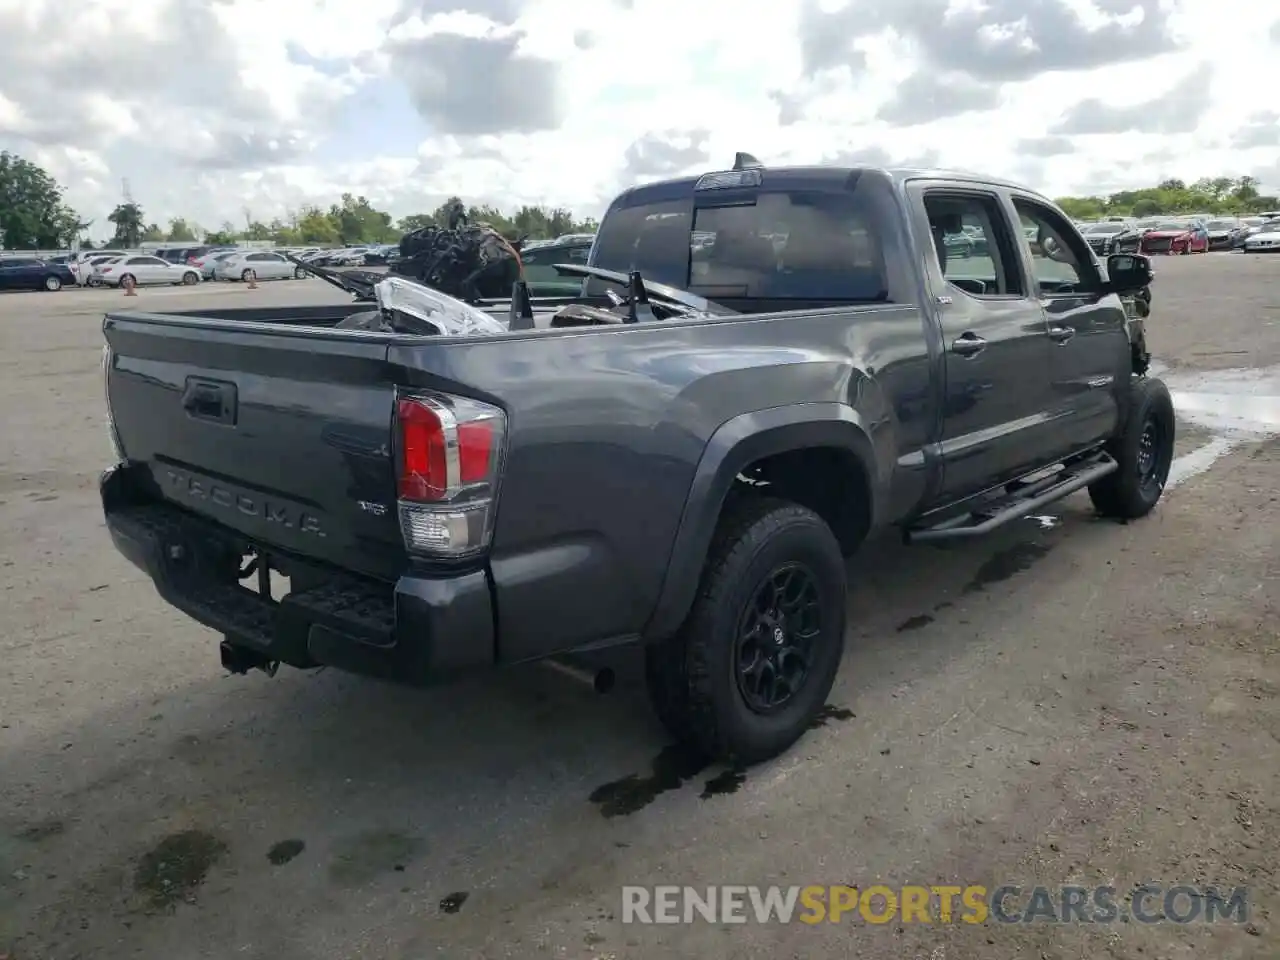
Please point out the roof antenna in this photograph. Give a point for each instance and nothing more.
(745, 161)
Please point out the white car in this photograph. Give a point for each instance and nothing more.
(1265, 240)
(208, 264)
(84, 262)
(146, 271)
(262, 265)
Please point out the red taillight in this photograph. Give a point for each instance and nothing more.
(447, 466)
(107, 269)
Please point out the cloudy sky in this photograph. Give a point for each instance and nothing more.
(214, 109)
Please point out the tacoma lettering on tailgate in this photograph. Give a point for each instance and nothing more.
(286, 515)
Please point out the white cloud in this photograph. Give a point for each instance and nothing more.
(213, 107)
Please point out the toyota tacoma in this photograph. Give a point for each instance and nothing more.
(762, 366)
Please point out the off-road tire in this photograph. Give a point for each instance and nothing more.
(690, 677)
(1130, 492)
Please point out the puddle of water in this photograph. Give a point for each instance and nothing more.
(1199, 460)
(1241, 403)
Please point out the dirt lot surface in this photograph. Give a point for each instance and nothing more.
(1069, 702)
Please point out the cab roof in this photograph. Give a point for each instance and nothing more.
(811, 176)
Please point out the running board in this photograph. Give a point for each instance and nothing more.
(1014, 507)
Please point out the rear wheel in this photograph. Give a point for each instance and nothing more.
(1144, 451)
(52, 284)
(754, 662)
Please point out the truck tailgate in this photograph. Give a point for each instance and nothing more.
(282, 434)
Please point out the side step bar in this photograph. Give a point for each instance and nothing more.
(1016, 506)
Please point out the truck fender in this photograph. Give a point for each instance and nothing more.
(735, 445)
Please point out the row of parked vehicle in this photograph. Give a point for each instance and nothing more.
(1183, 235)
(177, 265)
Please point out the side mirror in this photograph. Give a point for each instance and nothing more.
(1128, 272)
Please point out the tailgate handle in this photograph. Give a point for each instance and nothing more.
(210, 400)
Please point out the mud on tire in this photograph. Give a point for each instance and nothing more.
(1144, 450)
(773, 587)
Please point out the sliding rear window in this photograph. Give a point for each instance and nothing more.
(775, 245)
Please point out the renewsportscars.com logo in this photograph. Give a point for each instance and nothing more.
(937, 903)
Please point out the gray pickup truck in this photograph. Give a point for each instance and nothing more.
(764, 366)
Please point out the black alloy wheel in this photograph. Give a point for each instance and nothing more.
(776, 635)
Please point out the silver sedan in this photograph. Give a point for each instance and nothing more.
(262, 265)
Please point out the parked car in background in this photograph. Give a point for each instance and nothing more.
(85, 261)
(539, 266)
(1174, 237)
(186, 253)
(1265, 240)
(1200, 233)
(1253, 226)
(34, 273)
(1222, 232)
(209, 262)
(380, 255)
(146, 270)
(257, 264)
(1112, 236)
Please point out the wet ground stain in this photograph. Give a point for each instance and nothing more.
(284, 851)
(365, 856)
(830, 711)
(453, 902)
(668, 771)
(1006, 564)
(723, 783)
(42, 830)
(916, 622)
(173, 869)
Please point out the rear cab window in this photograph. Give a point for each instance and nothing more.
(755, 243)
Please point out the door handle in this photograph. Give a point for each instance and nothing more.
(968, 345)
(1061, 334)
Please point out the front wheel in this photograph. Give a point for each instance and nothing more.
(1144, 451)
(299, 274)
(753, 664)
(190, 279)
(52, 284)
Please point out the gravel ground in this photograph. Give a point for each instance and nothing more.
(1067, 702)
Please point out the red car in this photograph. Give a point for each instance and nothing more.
(1172, 237)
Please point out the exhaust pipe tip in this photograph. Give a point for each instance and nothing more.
(601, 681)
(604, 681)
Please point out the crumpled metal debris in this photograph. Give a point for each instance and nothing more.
(469, 261)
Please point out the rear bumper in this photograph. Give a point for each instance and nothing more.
(416, 631)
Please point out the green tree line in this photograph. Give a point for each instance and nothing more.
(1227, 196)
(34, 216)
